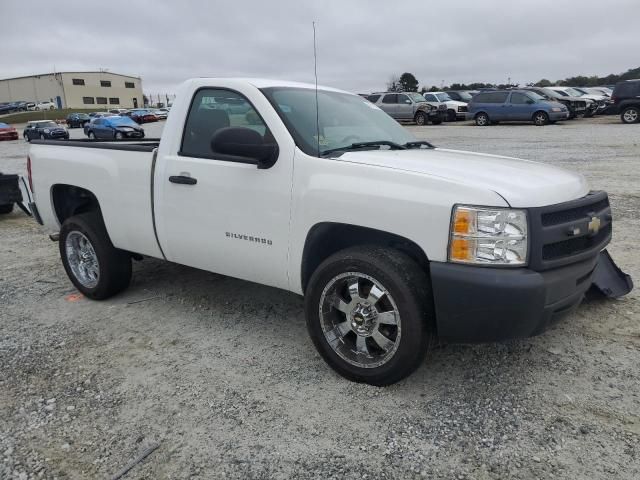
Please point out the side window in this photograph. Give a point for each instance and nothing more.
(403, 99)
(213, 109)
(390, 98)
(519, 98)
(493, 97)
(373, 98)
(430, 97)
(480, 98)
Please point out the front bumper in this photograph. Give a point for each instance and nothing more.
(484, 304)
(555, 116)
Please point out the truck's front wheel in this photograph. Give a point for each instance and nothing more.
(369, 313)
(93, 264)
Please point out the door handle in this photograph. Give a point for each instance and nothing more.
(183, 180)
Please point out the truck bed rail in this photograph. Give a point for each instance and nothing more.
(142, 145)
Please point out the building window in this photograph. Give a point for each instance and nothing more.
(105, 83)
(88, 100)
(101, 100)
(114, 101)
(78, 81)
(129, 85)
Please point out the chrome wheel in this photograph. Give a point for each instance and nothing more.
(360, 320)
(119, 136)
(82, 259)
(630, 115)
(420, 119)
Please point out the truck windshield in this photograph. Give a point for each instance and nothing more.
(416, 97)
(342, 119)
(443, 97)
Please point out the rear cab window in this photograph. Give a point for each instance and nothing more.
(390, 98)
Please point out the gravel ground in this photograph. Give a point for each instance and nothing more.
(222, 375)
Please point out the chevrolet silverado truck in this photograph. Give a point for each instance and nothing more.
(391, 241)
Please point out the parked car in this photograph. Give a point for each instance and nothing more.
(391, 241)
(7, 132)
(45, 106)
(626, 99)
(44, 130)
(160, 114)
(455, 110)
(406, 107)
(141, 116)
(77, 120)
(118, 111)
(463, 96)
(115, 127)
(20, 106)
(599, 100)
(101, 114)
(515, 106)
(5, 108)
(576, 106)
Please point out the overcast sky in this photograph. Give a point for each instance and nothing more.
(360, 43)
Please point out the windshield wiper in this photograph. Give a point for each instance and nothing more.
(359, 145)
(418, 144)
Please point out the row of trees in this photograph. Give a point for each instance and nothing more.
(407, 82)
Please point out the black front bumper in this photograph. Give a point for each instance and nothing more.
(480, 304)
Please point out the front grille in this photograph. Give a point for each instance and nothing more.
(569, 232)
(463, 108)
(574, 245)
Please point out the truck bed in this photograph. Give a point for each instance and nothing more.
(118, 172)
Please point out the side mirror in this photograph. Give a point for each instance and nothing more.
(244, 145)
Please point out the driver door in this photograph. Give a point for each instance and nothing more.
(215, 213)
(404, 107)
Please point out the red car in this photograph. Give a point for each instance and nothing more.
(142, 116)
(7, 132)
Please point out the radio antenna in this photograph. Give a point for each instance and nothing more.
(315, 72)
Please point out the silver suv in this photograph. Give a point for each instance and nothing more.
(407, 107)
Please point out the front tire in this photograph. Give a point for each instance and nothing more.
(630, 115)
(451, 116)
(540, 118)
(369, 314)
(482, 120)
(91, 135)
(119, 136)
(420, 119)
(93, 264)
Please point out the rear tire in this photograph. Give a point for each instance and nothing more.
(390, 306)
(4, 209)
(482, 119)
(630, 115)
(93, 264)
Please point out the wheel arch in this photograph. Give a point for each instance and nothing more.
(481, 112)
(326, 238)
(539, 111)
(69, 200)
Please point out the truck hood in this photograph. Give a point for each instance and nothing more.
(521, 183)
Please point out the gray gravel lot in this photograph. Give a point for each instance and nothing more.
(222, 374)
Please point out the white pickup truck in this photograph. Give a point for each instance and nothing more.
(391, 241)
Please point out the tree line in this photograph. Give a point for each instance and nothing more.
(407, 82)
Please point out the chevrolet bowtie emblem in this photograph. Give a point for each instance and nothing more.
(594, 225)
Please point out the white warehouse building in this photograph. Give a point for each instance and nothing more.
(82, 90)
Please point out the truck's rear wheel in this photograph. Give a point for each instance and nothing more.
(93, 264)
(369, 313)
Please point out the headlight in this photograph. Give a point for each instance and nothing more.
(46, 130)
(556, 109)
(488, 236)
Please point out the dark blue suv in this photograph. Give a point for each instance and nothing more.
(488, 108)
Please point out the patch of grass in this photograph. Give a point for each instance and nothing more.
(24, 117)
